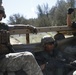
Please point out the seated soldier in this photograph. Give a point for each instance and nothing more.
(49, 60)
(11, 61)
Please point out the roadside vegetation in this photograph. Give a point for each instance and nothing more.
(55, 16)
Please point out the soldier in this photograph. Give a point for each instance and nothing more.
(59, 36)
(72, 48)
(69, 21)
(49, 61)
(11, 61)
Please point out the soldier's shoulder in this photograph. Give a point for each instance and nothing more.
(4, 26)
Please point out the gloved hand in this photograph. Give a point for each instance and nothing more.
(32, 28)
(70, 10)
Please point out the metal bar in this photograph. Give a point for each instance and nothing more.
(27, 39)
(24, 30)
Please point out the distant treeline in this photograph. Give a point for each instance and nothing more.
(55, 16)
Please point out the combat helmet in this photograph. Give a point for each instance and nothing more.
(2, 10)
(46, 39)
(59, 36)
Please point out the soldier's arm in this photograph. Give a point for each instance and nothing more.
(69, 20)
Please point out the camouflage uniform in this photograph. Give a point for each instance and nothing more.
(55, 61)
(10, 61)
(21, 60)
(74, 73)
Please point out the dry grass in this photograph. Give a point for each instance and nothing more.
(16, 39)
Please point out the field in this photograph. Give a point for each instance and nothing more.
(17, 39)
(21, 39)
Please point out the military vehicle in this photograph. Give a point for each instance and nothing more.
(36, 47)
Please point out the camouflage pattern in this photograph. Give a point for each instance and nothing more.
(21, 60)
(4, 37)
(16, 61)
(74, 73)
(4, 40)
(46, 39)
(4, 26)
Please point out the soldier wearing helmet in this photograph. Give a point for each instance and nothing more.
(46, 60)
(11, 61)
(48, 43)
(51, 60)
(47, 39)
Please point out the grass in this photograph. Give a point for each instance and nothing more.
(33, 37)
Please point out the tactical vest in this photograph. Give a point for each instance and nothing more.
(4, 39)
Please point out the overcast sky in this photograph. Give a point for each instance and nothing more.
(27, 8)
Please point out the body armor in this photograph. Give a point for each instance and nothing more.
(4, 41)
(4, 37)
